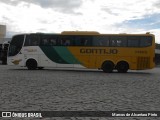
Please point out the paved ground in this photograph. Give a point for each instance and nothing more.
(79, 90)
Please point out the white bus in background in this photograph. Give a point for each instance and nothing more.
(3, 52)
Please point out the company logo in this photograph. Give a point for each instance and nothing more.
(6, 114)
(21, 114)
(30, 50)
(98, 51)
(16, 62)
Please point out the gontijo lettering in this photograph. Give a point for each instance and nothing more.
(98, 51)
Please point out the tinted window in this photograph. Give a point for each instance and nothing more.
(66, 40)
(119, 41)
(83, 40)
(48, 40)
(146, 41)
(16, 45)
(32, 40)
(100, 41)
(133, 41)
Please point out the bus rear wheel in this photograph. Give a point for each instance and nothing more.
(122, 67)
(31, 64)
(108, 66)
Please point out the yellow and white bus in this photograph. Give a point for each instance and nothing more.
(86, 48)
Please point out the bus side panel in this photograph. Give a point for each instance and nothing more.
(30, 52)
(93, 57)
(57, 56)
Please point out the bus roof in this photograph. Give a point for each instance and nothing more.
(89, 33)
(80, 33)
(97, 33)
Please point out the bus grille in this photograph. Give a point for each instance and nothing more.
(143, 62)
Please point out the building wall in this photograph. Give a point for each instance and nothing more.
(2, 33)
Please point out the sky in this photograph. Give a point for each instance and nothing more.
(104, 16)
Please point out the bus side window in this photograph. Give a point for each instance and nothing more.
(146, 41)
(58, 41)
(80, 40)
(122, 41)
(35, 42)
(53, 42)
(119, 41)
(85, 41)
(45, 42)
(76, 40)
(31, 40)
(27, 41)
(114, 41)
(65, 40)
(133, 41)
(100, 41)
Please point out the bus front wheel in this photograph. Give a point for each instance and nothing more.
(108, 66)
(122, 67)
(31, 64)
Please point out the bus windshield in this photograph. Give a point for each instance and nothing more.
(16, 45)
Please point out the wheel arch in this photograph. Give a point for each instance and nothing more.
(31, 64)
(31, 59)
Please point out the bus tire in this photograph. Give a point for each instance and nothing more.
(31, 64)
(122, 67)
(108, 66)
